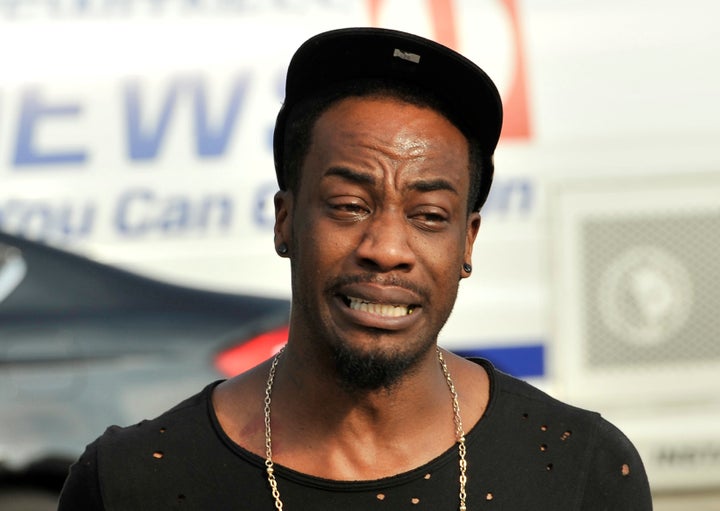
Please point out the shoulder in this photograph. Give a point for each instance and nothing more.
(125, 460)
(191, 414)
(519, 400)
(510, 395)
(514, 400)
(564, 439)
(150, 441)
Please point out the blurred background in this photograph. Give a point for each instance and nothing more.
(136, 184)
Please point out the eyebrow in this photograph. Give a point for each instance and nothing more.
(421, 185)
(432, 185)
(350, 175)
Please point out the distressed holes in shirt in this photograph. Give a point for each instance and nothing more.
(427, 476)
(549, 467)
(543, 427)
(380, 496)
(415, 500)
(163, 430)
(489, 496)
(158, 455)
(565, 435)
(543, 447)
(625, 470)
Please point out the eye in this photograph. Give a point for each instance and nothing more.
(432, 219)
(348, 208)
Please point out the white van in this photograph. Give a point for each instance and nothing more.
(139, 133)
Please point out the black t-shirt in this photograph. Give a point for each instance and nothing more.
(528, 452)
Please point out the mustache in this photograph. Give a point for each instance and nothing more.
(374, 278)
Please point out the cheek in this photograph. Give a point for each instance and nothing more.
(445, 254)
(321, 249)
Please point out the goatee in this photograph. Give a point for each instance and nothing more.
(363, 372)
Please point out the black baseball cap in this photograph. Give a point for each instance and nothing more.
(345, 55)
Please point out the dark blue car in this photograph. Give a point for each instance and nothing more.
(85, 345)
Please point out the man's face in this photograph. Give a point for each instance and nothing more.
(378, 232)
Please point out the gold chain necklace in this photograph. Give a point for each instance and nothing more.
(459, 432)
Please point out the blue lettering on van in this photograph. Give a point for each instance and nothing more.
(141, 211)
(511, 196)
(212, 142)
(33, 112)
(144, 145)
(211, 139)
(264, 205)
(44, 220)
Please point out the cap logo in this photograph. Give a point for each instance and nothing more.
(406, 55)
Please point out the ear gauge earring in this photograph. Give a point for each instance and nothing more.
(282, 249)
(467, 268)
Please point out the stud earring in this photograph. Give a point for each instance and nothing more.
(282, 249)
(467, 267)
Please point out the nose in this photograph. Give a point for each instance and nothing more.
(386, 243)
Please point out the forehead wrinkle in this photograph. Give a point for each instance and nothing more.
(375, 142)
(408, 166)
(377, 155)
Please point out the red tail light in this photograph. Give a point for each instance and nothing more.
(247, 355)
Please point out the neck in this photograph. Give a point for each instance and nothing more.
(319, 381)
(368, 434)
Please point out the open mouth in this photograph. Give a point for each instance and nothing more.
(381, 309)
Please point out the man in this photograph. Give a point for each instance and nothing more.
(383, 152)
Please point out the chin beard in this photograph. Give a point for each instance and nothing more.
(363, 372)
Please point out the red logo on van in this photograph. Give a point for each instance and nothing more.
(443, 16)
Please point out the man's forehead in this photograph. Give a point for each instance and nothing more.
(362, 139)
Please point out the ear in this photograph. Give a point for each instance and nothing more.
(283, 220)
(471, 231)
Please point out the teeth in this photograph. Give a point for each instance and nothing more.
(380, 309)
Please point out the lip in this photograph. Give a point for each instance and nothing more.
(391, 296)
